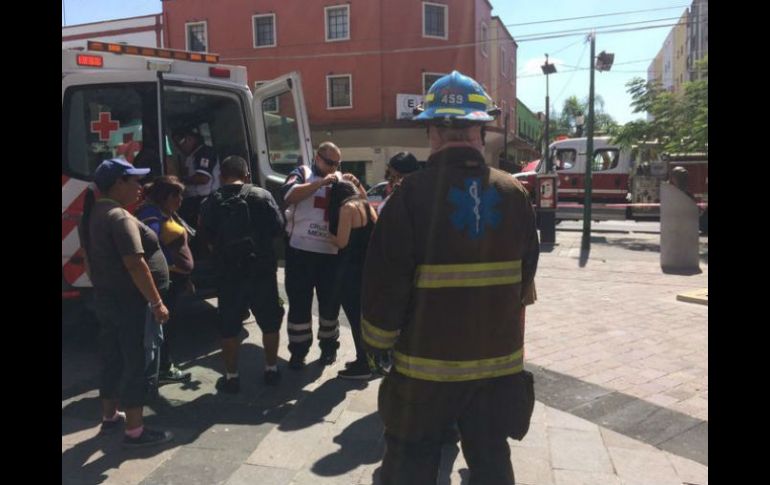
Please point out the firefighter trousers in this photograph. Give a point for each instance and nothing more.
(417, 413)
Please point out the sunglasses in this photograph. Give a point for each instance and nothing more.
(331, 163)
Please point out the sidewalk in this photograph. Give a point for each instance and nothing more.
(621, 372)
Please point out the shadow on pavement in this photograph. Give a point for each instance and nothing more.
(449, 454)
(320, 402)
(360, 443)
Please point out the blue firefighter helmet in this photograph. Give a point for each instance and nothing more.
(456, 100)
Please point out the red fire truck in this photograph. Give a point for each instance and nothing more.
(625, 181)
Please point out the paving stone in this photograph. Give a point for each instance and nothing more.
(573, 449)
(640, 467)
(254, 474)
(574, 477)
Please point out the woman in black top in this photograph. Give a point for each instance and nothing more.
(351, 221)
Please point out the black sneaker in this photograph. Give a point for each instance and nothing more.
(109, 427)
(173, 375)
(356, 371)
(272, 377)
(229, 386)
(296, 363)
(149, 437)
(328, 358)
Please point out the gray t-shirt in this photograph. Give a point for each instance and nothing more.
(115, 233)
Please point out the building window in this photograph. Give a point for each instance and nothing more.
(502, 61)
(428, 78)
(269, 105)
(337, 23)
(264, 30)
(339, 91)
(513, 70)
(197, 38)
(434, 20)
(484, 39)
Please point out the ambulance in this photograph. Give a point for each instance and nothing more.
(125, 101)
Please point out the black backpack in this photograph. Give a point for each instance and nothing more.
(234, 243)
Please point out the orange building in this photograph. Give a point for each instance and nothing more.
(364, 63)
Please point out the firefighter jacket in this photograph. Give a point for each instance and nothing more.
(450, 260)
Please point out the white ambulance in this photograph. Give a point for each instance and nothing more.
(125, 101)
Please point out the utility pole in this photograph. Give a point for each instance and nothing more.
(586, 241)
(547, 215)
(603, 63)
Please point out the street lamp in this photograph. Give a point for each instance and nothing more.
(580, 121)
(547, 217)
(603, 63)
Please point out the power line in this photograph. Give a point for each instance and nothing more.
(603, 32)
(432, 48)
(628, 12)
(597, 27)
(556, 52)
(585, 45)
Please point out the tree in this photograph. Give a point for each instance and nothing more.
(572, 108)
(679, 121)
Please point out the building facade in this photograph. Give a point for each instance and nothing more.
(146, 30)
(686, 43)
(530, 131)
(697, 36)
(364, 63)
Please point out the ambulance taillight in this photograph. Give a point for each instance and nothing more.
(219, 72)
(90, 61)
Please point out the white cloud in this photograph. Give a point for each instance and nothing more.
(532, 66)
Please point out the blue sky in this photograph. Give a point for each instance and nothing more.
(633, 50)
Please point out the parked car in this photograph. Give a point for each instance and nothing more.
(377, 194)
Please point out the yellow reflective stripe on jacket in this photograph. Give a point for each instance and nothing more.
(377, 337)
(458, 370)
(467, 275)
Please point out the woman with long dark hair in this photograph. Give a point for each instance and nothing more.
(128, 271)
(162, 199)
(351, 221)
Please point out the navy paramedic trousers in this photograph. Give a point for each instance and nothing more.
(306, 271)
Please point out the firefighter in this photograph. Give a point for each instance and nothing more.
(448, 266)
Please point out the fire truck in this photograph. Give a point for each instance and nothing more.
(125, 101)
(625, 181)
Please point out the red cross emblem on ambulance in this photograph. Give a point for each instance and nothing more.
(104, 126)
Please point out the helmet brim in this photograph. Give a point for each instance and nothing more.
(441, 115)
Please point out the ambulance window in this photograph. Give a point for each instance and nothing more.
(605, 159)
(564, 159)
(282, 133)
(217, 115)
(109, 121)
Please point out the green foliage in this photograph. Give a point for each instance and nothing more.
(679, 121)
(566, 122)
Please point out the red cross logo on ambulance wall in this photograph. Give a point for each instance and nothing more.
(104, 126)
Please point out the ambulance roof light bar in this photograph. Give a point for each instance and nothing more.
(153, 52)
